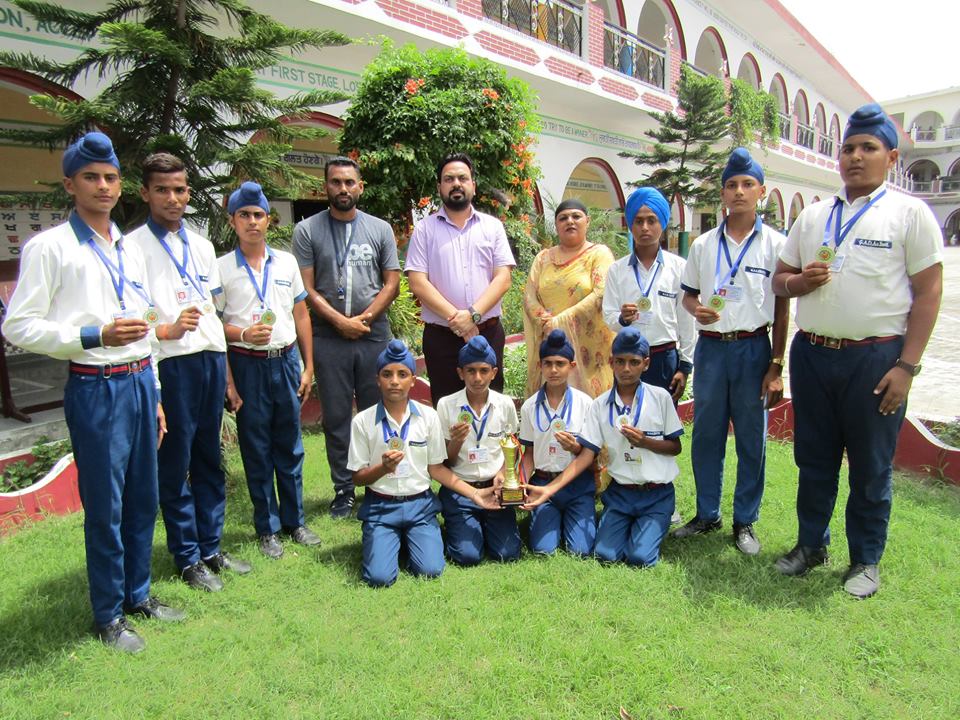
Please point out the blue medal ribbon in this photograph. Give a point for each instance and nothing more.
(625, 410)
(840, 231)
(722, 248)
(261, 292)
(473, 422)
(117, 277)
(565, 413)
(161, 235)
(653, 279)
(389, 432)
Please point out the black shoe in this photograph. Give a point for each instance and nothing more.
(304, 536)
(197, 576)
(801, 559)
(745, 539)
(222, 561)
(270, 546)
(156, 610)
(120, 636)
(697, 527)
(342, 506)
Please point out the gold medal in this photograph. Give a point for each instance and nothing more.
(623, 421)
(826, 254)
(558, 425)
(395, 443)
(269, 317)
(644, 304)
(464, 417)
(207, 308)
(716, 302)
(151, 317)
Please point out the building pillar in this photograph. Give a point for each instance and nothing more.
(591, 45)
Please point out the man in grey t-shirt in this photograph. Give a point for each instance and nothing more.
(348, 261)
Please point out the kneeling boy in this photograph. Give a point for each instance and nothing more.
(398, 505)
(474, 422)
(640, 427)
(549, 423)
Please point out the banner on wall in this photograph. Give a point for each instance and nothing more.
(20, 222)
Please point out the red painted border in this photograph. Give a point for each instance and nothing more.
(57, 496)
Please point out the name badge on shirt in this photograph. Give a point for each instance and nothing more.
(732, 293)
(402, 471)
(632, 456)
(126, 315)
(477, 455)
(645, 318)
(555, 451)
(186, 296)
(837, 264)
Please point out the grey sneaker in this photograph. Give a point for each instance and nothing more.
(801, 559)
(120, 636)
(745, 539)
(862, 580)
(676, 518)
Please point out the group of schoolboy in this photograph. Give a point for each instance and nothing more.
(852, 364)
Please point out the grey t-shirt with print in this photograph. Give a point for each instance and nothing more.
(351, 255)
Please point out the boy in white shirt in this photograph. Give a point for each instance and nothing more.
(474, 422)
(398, 505)
(549, 423)
(641, 429)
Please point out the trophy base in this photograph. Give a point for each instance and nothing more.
(511, 496)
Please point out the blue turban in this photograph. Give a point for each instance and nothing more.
(556, 345)
(94, 147)
(740, 163)
(246, 195)
(396, 353)
(630, 341)
(478, 350)
(651, 198)
(870, 119)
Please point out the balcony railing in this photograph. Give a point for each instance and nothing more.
(926, 135)
(937, 134)
(826, 146)
(696, 70)
(556, 22)
(626, 53)
(785, 121)
(805, 135)
(951, 132)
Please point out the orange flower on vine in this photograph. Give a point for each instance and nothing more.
(490, 94)
(412, 86)
(423, 202)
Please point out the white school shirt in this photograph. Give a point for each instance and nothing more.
(172, 294)
(667, 321)
(502, 421)
(870, 295)
(424, 446)
(755, 275)
(64, 286)
(241, 303)
(535, 431)
(629, 465)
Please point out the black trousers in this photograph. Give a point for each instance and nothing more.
(441, 349)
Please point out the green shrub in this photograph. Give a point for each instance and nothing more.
(515, 370)
(21, 475)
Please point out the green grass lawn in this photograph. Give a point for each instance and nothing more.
(705, 634)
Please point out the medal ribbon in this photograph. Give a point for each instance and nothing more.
(473, 422)
(722, 246)
(653, 278)
(185, 276)
(115, 271)
(565, 412)
(389, 432)
(637, 401)
(261, 292)
(840, 230)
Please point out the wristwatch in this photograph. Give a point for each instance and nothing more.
(777, 361)
(474, 315)
(914, 370)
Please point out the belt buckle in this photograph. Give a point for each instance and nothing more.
(107, 370)
(273, 353)
(832, 343)
(728, 336)
(133, 367)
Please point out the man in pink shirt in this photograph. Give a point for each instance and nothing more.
(459, 264)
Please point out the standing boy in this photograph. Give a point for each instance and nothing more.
(192, 364)
(395, 448)
(475, 420)
(727, 289)
(83, 296)
(867, 266)
(265, 319)
(641, 429)
(550, 421)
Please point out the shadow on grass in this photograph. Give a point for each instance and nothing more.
(54, 615)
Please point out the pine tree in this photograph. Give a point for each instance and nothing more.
(686, 165)
(183, 80)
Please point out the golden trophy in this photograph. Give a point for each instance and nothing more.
(511, 493)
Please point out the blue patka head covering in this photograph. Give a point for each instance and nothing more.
(556, 345)
(870, 119)
(396, 352)
(94, 147)
(741, 163)
(248, 194)
(478, 350)
(630, 341)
